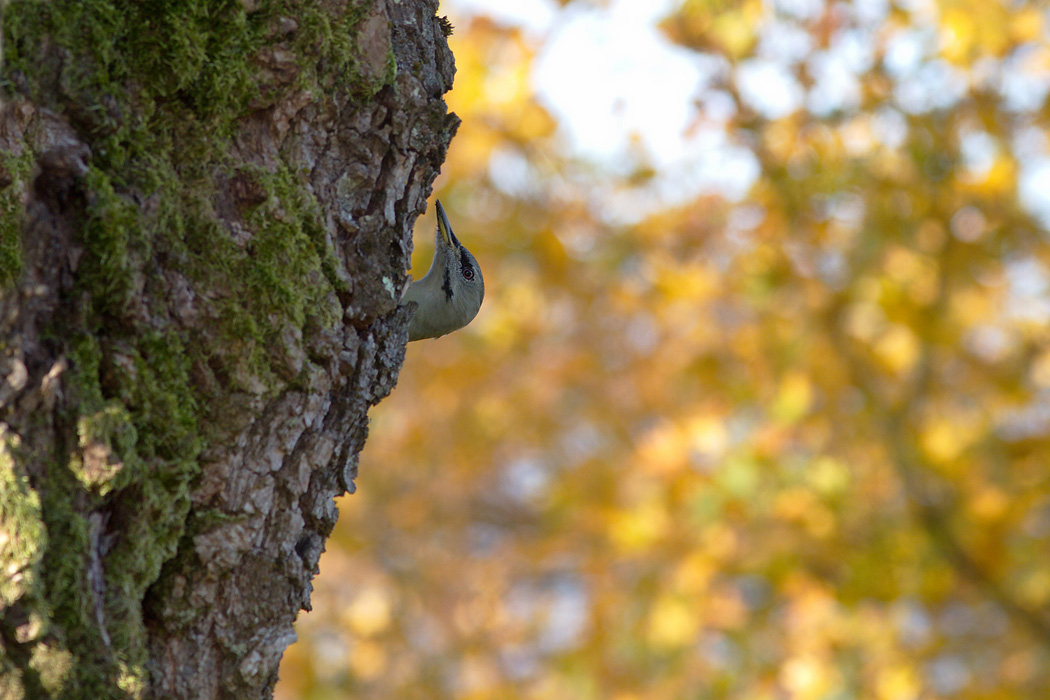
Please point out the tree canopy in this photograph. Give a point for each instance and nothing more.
(789, 442)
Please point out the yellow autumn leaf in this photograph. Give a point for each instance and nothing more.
(664, 448)
(898, 348)
(369, 612)
(958, 35)
(640, 526)
(944, 438)
(672, 623)
(367, 659)
(1026, 23)
(805, 676)
(898, 682)
(793, 399)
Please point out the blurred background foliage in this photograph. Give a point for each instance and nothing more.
(766, 422)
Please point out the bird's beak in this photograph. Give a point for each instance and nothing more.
(445, 229)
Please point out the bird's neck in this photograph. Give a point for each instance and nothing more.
(435, 314)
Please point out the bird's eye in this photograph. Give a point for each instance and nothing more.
(468, 273)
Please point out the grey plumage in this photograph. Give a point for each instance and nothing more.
(449, 296)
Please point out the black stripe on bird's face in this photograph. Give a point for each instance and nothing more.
(465, 265)
(447, 285)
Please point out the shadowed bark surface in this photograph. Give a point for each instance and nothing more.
(205, 221)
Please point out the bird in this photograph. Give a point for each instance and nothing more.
(449, 296)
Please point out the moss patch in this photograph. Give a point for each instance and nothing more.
(157, 90)
(22, 534)
(15, 171)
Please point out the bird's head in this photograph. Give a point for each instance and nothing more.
(450, 294)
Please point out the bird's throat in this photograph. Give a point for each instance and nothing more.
(446, 286)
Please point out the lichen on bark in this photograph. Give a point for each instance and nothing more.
(205, 222)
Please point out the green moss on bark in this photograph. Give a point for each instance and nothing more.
(21, 527)
(157, 91)
(15, 172)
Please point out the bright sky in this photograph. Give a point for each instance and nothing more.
(617, 86)
(614, 84)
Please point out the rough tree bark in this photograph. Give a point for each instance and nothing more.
(206, 210)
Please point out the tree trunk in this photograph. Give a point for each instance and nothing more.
(206, 214)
